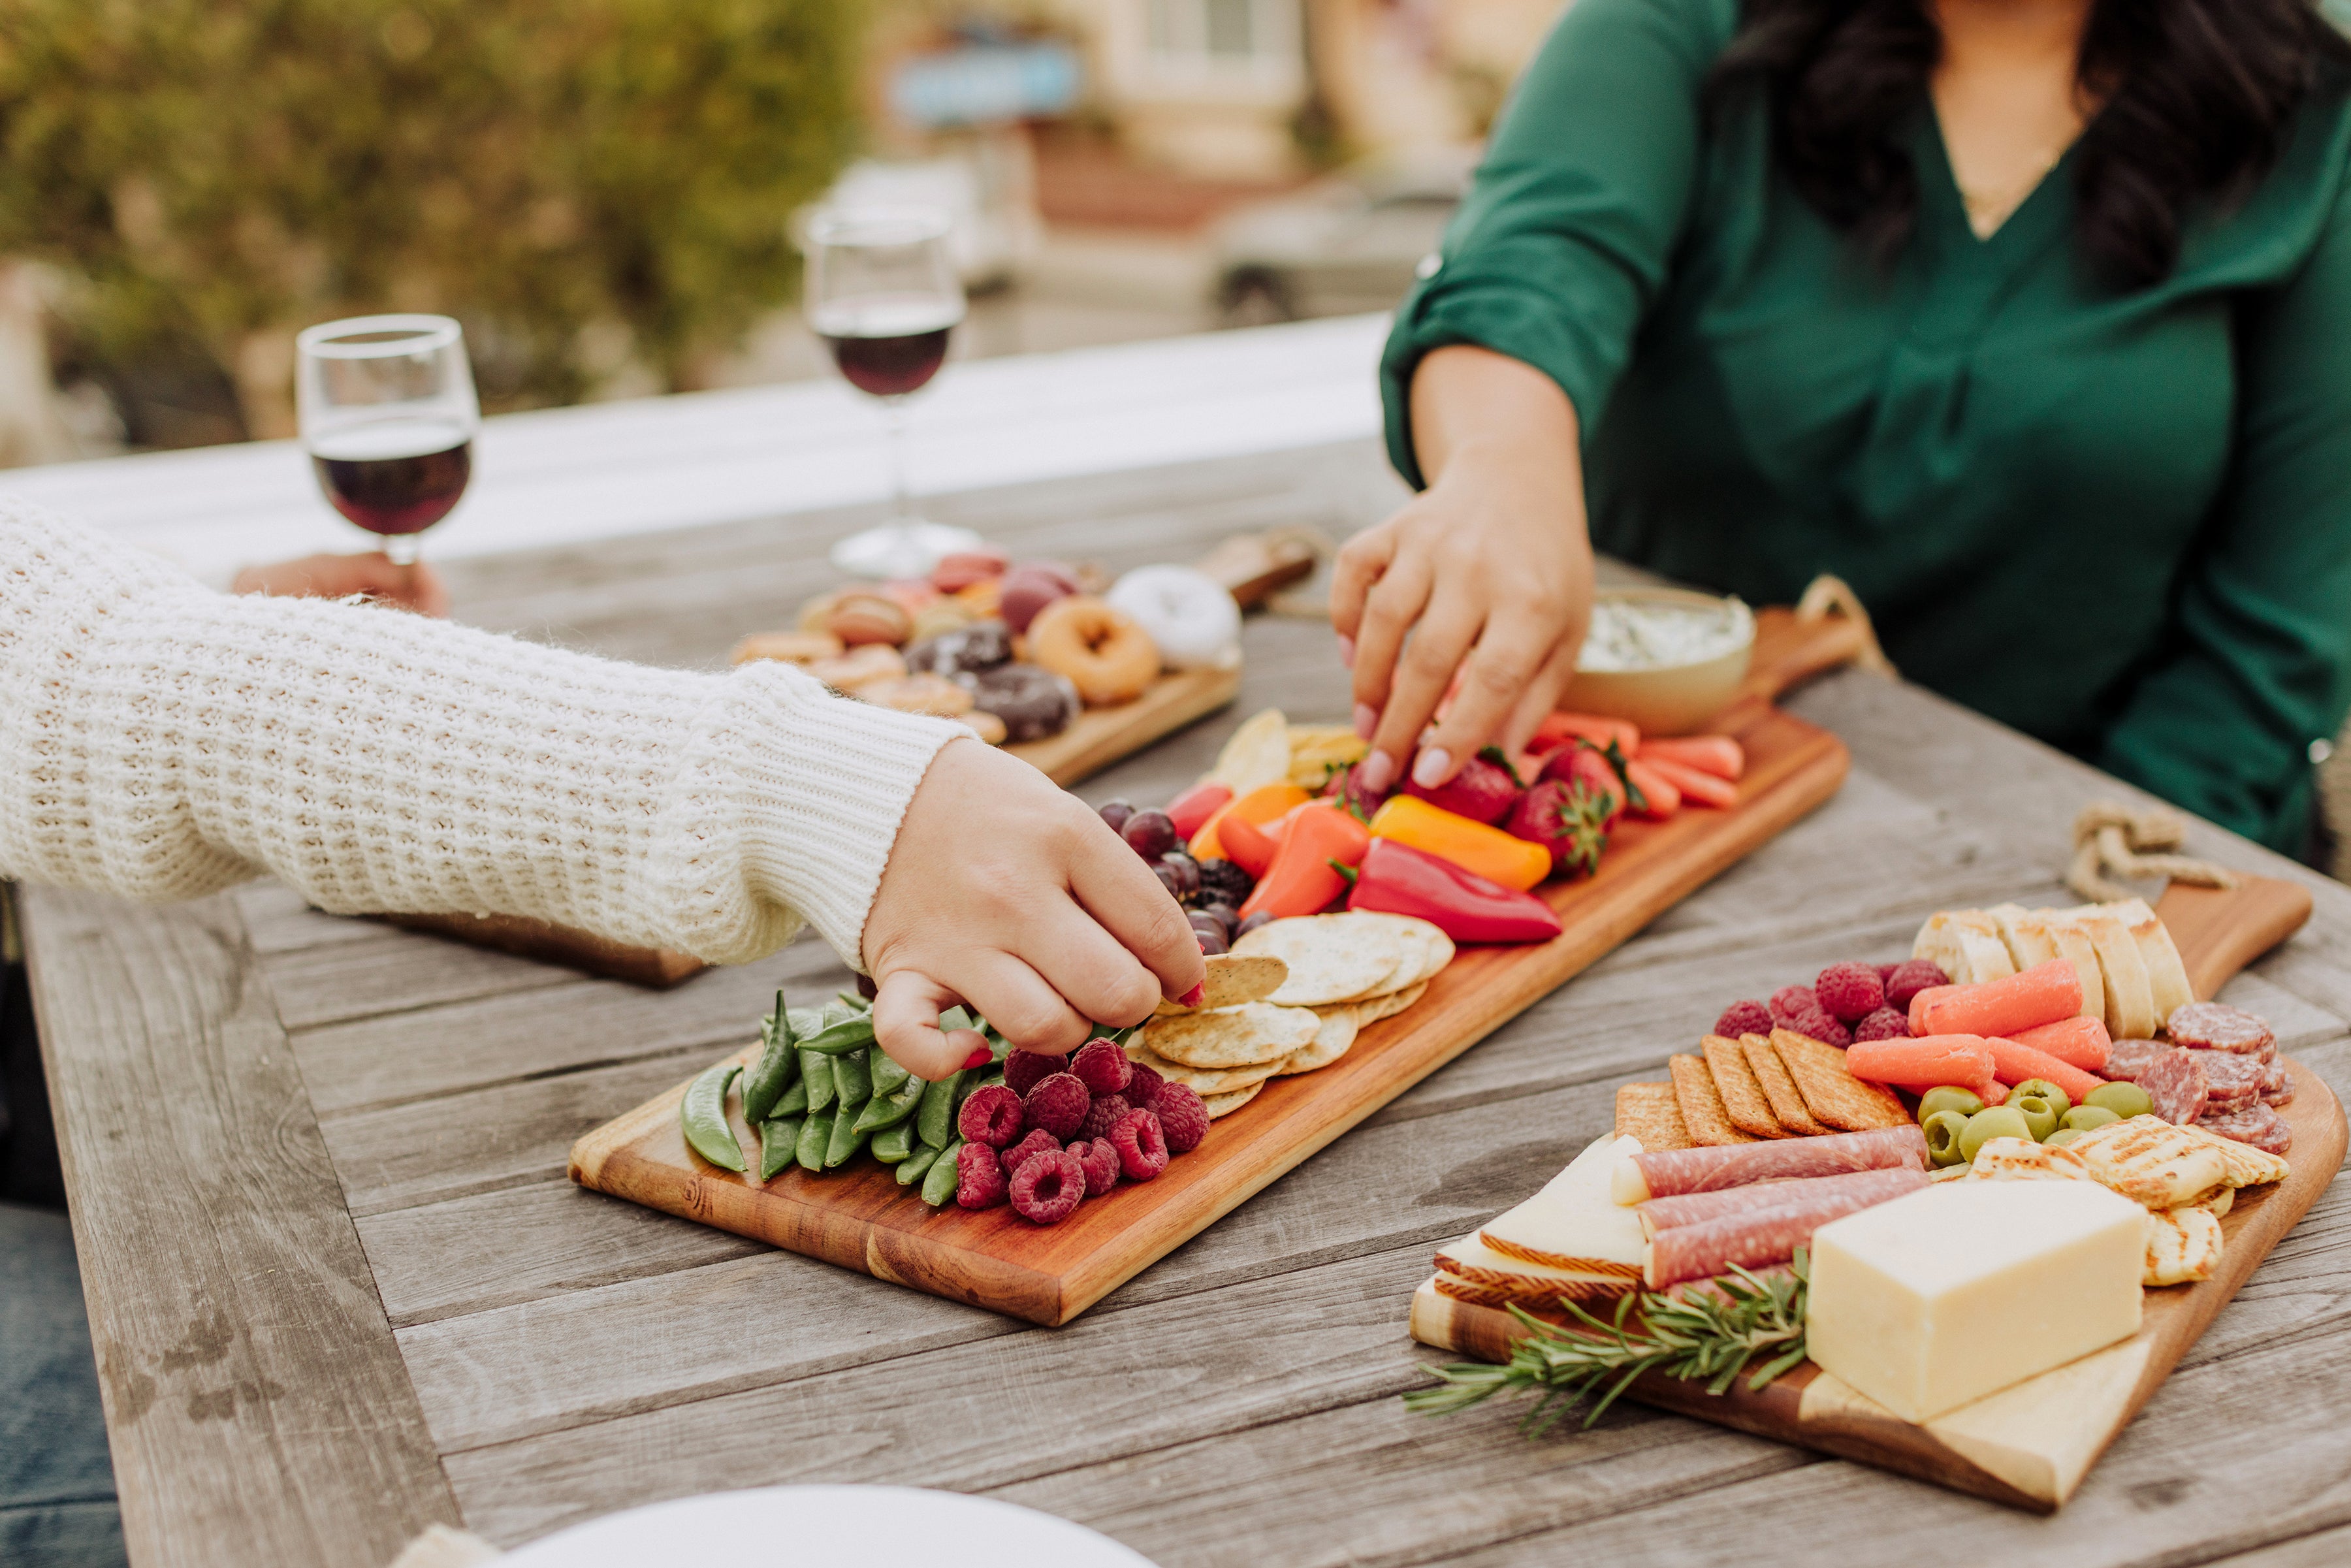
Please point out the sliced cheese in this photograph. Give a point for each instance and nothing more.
(2130, 1001)
(2167, 977)
(2183, 1246)
(1573, 1223)
(2153, 1162)
(1471, 1260)
(1951, 1293)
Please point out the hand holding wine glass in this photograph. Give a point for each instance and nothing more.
(388, 416)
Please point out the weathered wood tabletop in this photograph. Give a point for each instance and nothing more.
(340, 1290)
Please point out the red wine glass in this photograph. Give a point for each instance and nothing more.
(387, 417)
(882, 294)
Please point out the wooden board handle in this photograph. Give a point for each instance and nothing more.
(2219, 931)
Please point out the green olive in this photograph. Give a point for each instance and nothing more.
(2062, 1136)
(1999, 1122)
(2047, 1091)
(2125, 1100)
(2082, 1118)
(1944, 1130)
(1966, 1102)
(2039, 1114)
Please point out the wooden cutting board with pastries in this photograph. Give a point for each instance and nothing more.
(2029, 1445)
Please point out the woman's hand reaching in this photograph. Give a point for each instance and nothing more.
(1008, 894)
(1491, 565)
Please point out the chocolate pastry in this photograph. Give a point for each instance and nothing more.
(965, 651)
(1033, 703)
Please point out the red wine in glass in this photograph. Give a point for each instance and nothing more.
(396, 476)
(888, 345)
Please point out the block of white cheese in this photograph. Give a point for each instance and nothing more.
(1944, 1296)
(1572, 1223)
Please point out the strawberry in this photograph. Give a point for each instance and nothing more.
(1485, 791)
(1571, 820)
(1586, 764)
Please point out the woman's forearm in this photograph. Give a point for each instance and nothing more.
(1465, 399)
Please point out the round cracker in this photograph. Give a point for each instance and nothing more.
(1332, 957)
(1428, 949)
(1394, 1002)
(1223, 1105)
(1232, 980)
(1202, 1084)
(1244, 1036)
(1330, 1043)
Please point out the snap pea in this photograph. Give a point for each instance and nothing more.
(2125, 1100)
(853, 1080)
(890, 1110)
(845, 1142)
(816, 1134)
(779, 1138)
(2082, 1118)
(913, 1168)
(816, 1071)
(1944, 1130)
(893, 1144)
(703, 1115)
(778, 1064)
(807, 1021)
(794, 1102)
(1966, 1102)
(955, 1019)
(939, 1184)
(2058, 1099)
(852, 1033)
(888, 1076)
(934, 1118)
(853, 1002)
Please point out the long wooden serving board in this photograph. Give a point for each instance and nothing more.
(2029, 1446)
(861, 1218)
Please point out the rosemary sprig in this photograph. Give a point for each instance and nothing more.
(1713, 1335)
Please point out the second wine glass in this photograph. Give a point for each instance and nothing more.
(389, 416)
(882, 294)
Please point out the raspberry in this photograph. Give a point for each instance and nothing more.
(1885, 971)
(992, 1116)
(1142, 1146)
(1102, 1067)
(1182, 1119)
(1789, 1001)
(1100, 1160)
(1820, 1026)
(980, 1181)
(1743, 1017)
(1058, 1104)
(1107, 1112)
(1021, 1153)
(1885, 1023)
(1048, 1189)
(1911, 978)
(1024, 1069)
(1849, 991)
(1142, 1089)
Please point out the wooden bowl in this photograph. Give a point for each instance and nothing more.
(1667, 700)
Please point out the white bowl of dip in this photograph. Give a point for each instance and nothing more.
(1668, 659)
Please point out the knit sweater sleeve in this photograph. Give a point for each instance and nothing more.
(161, 741)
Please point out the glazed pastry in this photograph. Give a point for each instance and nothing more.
(1028, 588)
(1033, 703)
(982, 645)
(786, 647)
(1108, 657)
(1187, 613)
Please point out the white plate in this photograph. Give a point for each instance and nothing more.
(827, 1524)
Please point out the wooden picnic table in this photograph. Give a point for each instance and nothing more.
(340, 1290)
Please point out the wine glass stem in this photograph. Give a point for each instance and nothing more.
(402, 550)
(902, 506)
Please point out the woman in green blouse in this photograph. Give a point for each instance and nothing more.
(2031, 318)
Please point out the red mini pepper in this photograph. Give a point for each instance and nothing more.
(1396, 878)
(1190, 811)
(1305, 878)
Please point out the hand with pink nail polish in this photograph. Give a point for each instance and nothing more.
(1465, 610)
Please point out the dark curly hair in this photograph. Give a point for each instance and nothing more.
(2197, 95)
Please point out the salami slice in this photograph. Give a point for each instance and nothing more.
(2209, 1026)
(2127, 1059)
(2277, 1089)
(2231, 1080)
(2176, 1083)
(1695, 1207)
(1668, 1173)
(1754, 1237)
(2256, 1124)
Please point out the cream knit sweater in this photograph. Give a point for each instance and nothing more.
(161, 741)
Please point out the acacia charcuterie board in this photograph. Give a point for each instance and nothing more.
(2029, 1446)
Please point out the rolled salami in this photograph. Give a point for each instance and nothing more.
(1755, 1237)
(1661, 1214)
(1668, 1173)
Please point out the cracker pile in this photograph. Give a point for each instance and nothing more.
(1780, 1085)
(1290, 998)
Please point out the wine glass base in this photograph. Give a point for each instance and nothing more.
(901, 549)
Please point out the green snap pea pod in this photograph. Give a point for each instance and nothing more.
(845, 1142)
(807, 1021)
(955, 1019)
(816, 1134)
(794, 1102)
(934, 1118)
(852, 1001)
(703, 1115)
(778, 1064)
(853, 1033)
(816, 1071)
(853, 1080)
(893, 1144)
(890, 1110)
(888, 1076)
(939, 1184)
(779, 1138)
(915, 1166)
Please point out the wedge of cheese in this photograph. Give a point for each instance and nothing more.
(2167, 977)
(1966, 944)
(2129, 998)
(1572, 1223)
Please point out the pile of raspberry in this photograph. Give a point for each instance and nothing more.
(1059, 1131)
(1846, 1002)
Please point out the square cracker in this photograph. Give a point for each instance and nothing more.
(1650, 1112)
(1743, 1098)
(1787, 1101)
(1832, 1093)
(1709, 1124)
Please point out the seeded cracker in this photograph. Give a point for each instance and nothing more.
(1787, 1103)
(1332, 957)
(1394, 1002)
(1702, 1112)
(1330, 1042)
(1743, 1098)
(1232, 1037)
(1650, 1113)
(1232, 981)
(1832, 1093)
(1203, 1084)
(1223, 1104)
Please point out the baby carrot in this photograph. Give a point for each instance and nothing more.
(2046, 993)
(2014, 1063)
(1592, 728)
(2084, 1041)
(1922, 1064)
(1716, 754)
(1660, 796)
(1706, 789)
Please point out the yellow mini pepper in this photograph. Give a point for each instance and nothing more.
(1472, 845)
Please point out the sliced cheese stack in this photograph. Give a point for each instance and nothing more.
(2130, 971)
(1570, 1240)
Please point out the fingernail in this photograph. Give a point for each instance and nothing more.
(1347, 654)
(1429, 769)
(1367, 720)
(1379, 772)
(979, 1058)
(1192, 998)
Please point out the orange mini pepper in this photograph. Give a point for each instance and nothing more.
(1260, 806)
(1303, 878)
(1473, 846)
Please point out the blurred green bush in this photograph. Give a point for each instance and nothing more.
(583, 182)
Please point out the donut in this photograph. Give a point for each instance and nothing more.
(786, 647)
(942, 615)
(918, 693)
(982, 645)
(960, 568)
(859, 617)
(875, 662)
(1030, 587)
(983, 724)
(1188, 614)
(1104, 653)
(1033, 703)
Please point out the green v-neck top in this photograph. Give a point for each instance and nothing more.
(2120, 522)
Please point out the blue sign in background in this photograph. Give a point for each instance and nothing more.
(982, 84)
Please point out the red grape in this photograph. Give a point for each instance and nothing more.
(1150, 833)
